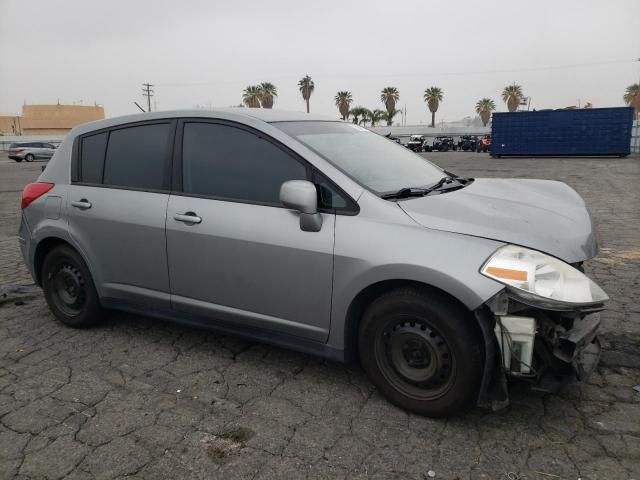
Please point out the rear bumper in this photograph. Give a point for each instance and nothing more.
(16, 156)
(24, 240)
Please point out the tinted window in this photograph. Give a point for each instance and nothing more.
(92, 157)
(228, 162)
(136, 156)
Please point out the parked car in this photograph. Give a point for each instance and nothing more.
(468, 142)
(30, 151)
(324, 237)
(484, 145)
(443, 144)
(416, 143)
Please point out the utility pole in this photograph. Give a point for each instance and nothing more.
(147, 91)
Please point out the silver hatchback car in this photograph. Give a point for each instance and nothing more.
(324, 237)
(30, 151)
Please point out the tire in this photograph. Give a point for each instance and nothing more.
(18, 160)
(69, 288)
(29, 157)
(429, 329)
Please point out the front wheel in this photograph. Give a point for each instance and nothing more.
(422, 350)
(69, 288)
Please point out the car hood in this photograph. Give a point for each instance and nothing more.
(541, 214)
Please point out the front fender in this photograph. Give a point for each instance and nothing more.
(447, 261)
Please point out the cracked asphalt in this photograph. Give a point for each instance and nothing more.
(138, 398)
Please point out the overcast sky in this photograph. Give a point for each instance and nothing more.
(204, 52)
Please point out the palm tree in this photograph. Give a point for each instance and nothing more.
(358, 113)
(251, 96)
(484, 108)
(376, 116)
(267, 92)
(433, 96)
(388, 116)
(343, 102)
(632, 96)
(366, 115)
(306, 87)
(511, 95)
(389, 96)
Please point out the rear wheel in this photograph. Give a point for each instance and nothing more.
(29, 157)
(69, 288)
(422, 350)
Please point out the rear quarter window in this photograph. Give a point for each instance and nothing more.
(92, 152)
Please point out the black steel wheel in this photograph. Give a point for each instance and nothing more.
(422, 350)
(69, 289)
(415, 359)
(68, 286)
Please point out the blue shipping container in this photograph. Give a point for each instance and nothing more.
(592, 131)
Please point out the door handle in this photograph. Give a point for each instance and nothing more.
(83, 204)
(188, 217)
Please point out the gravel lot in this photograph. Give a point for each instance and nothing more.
(137, 398)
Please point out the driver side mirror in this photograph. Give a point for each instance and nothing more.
(302, 196)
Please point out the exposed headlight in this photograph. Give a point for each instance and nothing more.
(536, 274)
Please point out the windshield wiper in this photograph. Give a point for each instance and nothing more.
(418, 191)
(440, 183)
(421, 192)
(406, 192)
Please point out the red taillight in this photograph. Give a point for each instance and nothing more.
(18, 150)
(33, 191)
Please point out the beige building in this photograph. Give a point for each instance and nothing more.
(48, 119)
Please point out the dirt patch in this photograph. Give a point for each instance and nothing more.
(220, 448)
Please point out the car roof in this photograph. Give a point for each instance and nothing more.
(238, 113)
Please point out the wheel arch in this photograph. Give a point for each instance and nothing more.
(367, 295)
(43, 248)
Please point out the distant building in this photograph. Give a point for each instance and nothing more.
(48, 119)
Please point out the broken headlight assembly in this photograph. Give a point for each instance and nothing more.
(546, 319)
(541, 280)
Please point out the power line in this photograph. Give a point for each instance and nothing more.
(147, 91)
(424, 74)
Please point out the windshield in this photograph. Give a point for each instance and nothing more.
(370, 159)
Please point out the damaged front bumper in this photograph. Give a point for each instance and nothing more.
(544, 346)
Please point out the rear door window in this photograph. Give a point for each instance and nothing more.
(137, 157)
(227, 162)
